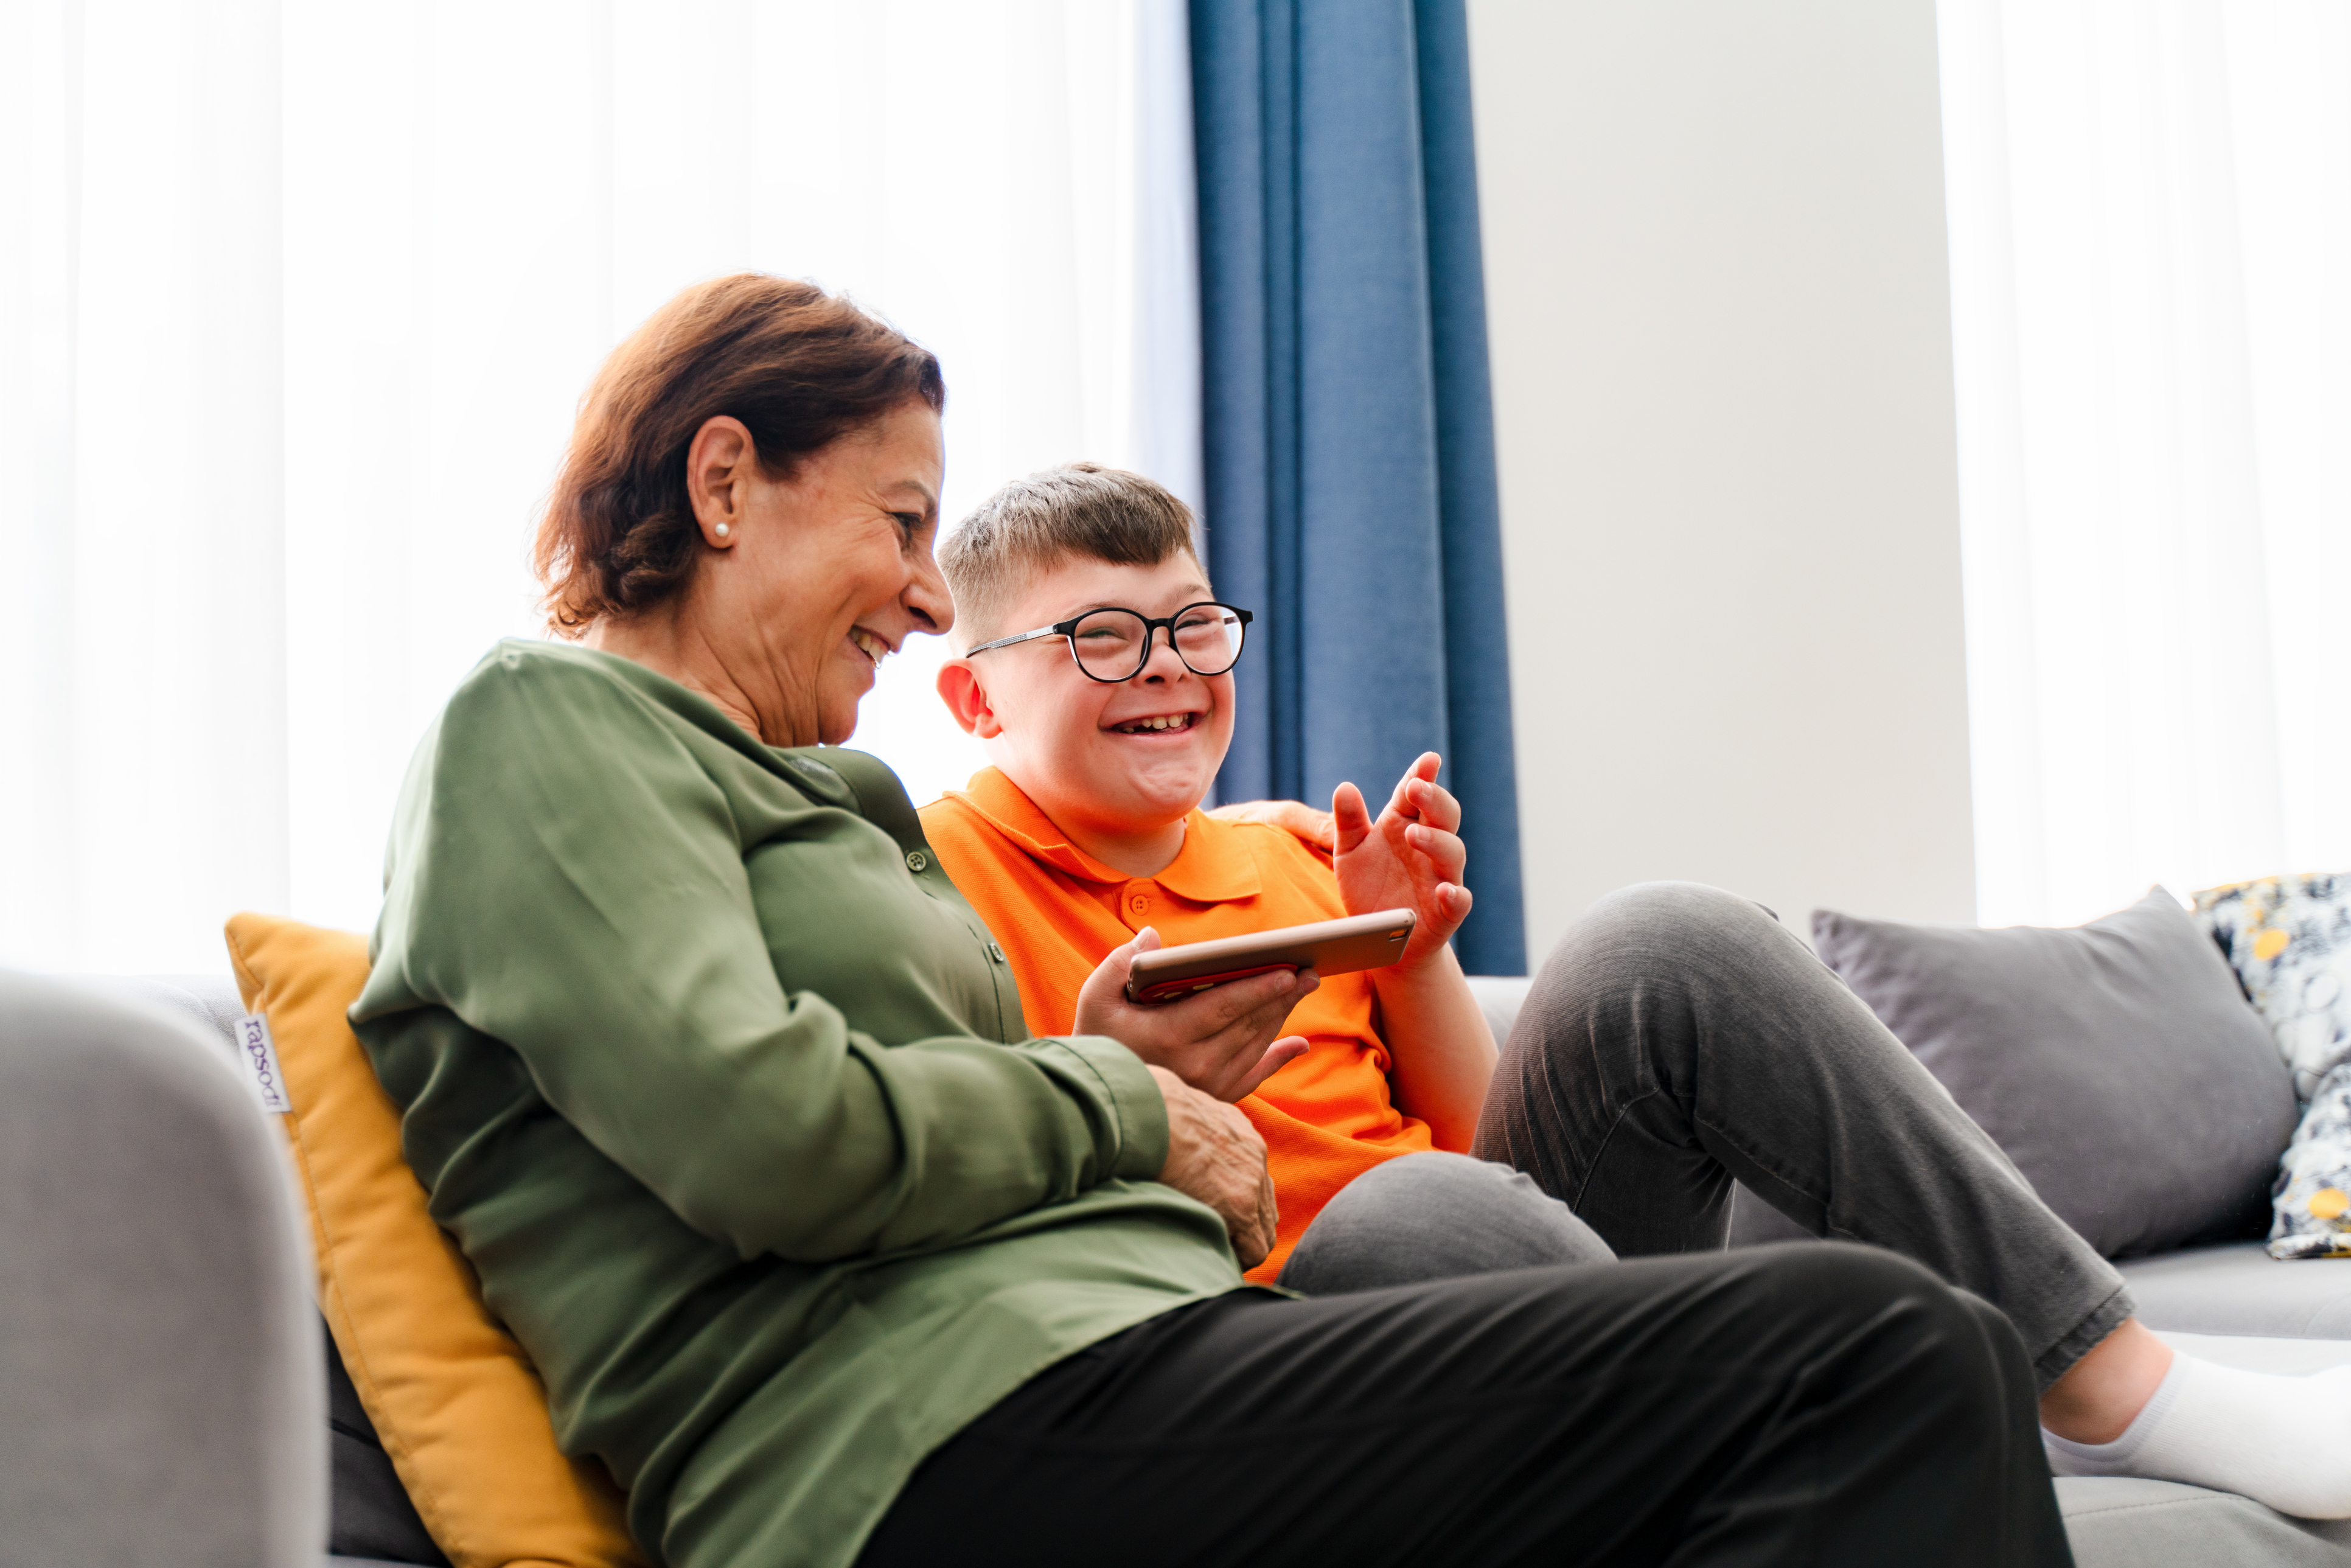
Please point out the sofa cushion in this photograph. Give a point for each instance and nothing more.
(2240, 1289)
(2289, 940)
(2262, 1352)
(2118, 1521)
(370, 1514)
(448, 1392)
(2117, 1062)
(2311, 1200)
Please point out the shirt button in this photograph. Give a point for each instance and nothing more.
(995, 951)
(1139, 903)
(916, 859)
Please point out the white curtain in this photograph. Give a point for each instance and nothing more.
(296, 301)
(2151, 229)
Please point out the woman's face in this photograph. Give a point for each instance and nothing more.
(820, 575)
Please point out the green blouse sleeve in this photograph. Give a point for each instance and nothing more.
(568, 877)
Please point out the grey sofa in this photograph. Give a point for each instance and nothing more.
(162, 1393)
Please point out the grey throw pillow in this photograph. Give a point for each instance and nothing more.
(2117, 1062)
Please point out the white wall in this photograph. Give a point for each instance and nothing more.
(1719, 311)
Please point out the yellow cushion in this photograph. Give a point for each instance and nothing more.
(456, 1403)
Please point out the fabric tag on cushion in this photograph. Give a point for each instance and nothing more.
(452, 1398)
(258, 1050)
(2289, 940)
(2116, 1062)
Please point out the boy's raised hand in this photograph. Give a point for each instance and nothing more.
(1410, 857)
(1222, 1041)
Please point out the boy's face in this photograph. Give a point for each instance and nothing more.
(1073, 744)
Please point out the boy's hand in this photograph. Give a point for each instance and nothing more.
(1410, 858)
(1221, 1042)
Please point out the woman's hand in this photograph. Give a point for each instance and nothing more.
(1215, 1156)
(1411, 858)
(1222, 1041)
(1293, 817)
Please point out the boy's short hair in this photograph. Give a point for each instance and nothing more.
(1079, 511)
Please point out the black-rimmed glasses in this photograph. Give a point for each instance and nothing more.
(1112, 645)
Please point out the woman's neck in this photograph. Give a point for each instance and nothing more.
(663, 644)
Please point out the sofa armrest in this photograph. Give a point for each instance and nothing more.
(174, 1405)
(1499, 996)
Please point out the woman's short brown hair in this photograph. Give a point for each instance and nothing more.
(800, 368)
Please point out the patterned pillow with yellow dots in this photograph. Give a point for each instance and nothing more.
(2312, 1200)
(2289, 939)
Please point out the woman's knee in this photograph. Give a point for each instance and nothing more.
(1885, 1316)
(1851, 1280)
(1433, 1216)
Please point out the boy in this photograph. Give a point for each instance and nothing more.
(1086, 839)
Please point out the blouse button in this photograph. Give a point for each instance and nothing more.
(916, 859)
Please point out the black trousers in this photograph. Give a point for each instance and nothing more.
(1809, 1404)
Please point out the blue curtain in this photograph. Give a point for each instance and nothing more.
(1349, 423)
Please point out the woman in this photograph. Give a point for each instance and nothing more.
(725, 1092)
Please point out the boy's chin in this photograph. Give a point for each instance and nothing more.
(1162, 793)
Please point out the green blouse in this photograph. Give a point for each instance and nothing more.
(721, 1087)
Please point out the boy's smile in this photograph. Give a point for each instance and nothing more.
(1158, 724)
(1116, 766)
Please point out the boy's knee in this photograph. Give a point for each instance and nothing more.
(1692, 905)
(1672, 916)
(1667, 932)
(1489, 1209)
(1436, 1216)
(1432, 1180)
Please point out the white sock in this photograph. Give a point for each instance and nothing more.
(2283, 1441)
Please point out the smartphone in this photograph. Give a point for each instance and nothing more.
(1326, 946)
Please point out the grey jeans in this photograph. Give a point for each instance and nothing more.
(1679, 1037)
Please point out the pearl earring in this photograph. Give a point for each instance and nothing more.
(721, 530)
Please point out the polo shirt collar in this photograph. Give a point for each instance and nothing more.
(1213, 866)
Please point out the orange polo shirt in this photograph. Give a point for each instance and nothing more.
(1326, 1117)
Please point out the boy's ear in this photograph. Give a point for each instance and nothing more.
(960, 689)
